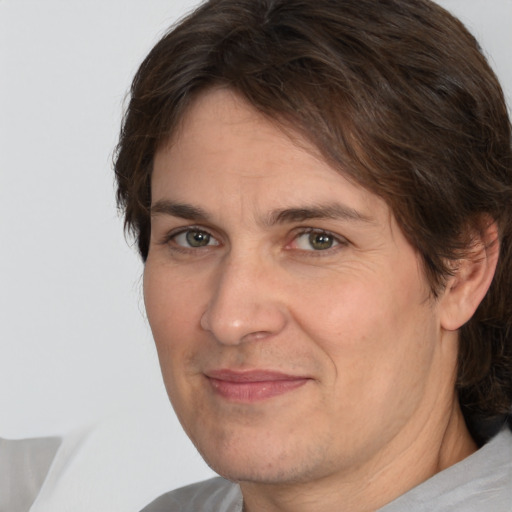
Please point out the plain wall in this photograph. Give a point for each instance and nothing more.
(74, 343)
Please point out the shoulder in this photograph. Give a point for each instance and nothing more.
(214, 495)
(482, 481)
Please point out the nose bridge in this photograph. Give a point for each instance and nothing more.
(244, 304)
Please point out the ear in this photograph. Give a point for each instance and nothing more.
(473, 275)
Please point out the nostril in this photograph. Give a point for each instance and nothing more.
(204, 322)
(256, 336)
(246, 321)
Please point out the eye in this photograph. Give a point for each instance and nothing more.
(194, 238)
(315, 241)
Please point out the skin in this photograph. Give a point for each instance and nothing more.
(377, 412)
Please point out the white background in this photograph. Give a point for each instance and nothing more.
(74, 343)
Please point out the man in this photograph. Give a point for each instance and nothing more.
(322, 195)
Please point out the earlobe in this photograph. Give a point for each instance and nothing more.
(472, 278)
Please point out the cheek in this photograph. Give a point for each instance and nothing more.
(378, 334)
(174, 307)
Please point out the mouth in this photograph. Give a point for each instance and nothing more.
(252, 385)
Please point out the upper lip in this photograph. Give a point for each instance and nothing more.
(251, 375)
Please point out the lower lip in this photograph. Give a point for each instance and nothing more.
(248, 392)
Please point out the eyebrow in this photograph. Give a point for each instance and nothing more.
(181, 210)
(334, 211)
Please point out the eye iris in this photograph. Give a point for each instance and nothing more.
(197, 238)
(320, 241)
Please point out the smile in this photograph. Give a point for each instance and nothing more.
(252, 386)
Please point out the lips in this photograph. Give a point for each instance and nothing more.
(252, 386)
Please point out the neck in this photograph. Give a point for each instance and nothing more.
(417, 454)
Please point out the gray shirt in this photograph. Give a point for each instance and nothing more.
(480, 483)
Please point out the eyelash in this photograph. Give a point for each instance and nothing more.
(338, 241)
(170, 239)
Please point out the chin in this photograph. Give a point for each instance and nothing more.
(258, 459)
(267, 472)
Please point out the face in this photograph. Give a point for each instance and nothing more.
(292, 318)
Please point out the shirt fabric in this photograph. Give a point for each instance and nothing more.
(481, 482)
(24, 465)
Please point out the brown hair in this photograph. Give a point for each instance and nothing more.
(394, 93)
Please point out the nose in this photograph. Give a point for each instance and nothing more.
(245, 304)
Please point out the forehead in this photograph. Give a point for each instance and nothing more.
(221, 121)
(225, 150)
